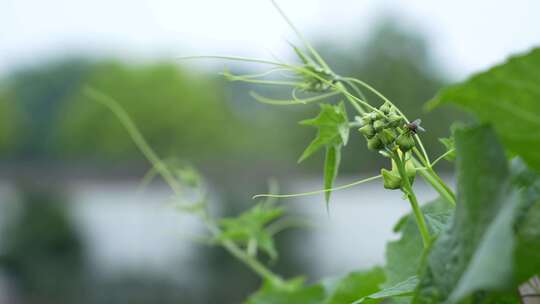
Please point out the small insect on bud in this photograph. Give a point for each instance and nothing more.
(414, 127)
(387, 136)
(405, 142)
(379, 124)
(391, 179)
(375, 143)
(367, 130)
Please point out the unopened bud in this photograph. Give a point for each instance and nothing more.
(379, 124)
(395, 120)
(405, 142)
(410, 170)
(385, 108)
(387, 136)
(367, 130)
(375, 143)
(391, 179)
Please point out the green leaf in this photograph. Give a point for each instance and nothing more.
(401, 289)
(293, 291)
(527, 254)
(331, 167)
(527, 261)
(333, 128)
(353, 286)
(507, 96)
(250, 226)
(476, 251)
(403, 256)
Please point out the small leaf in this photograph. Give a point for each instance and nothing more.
(333, 128)
(331, 167)
(251, 225)
(401, 289)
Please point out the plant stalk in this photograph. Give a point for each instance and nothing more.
(242, 255)
(431, 177)
(408, 190)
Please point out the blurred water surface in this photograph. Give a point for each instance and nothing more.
(126, 229)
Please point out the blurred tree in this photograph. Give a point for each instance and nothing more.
(180, 112)
(9, 124)
(189, 115)
(37, 93)
(41, 252)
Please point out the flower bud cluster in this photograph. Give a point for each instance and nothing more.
(392, 179)
(314, 83)
(385, 129)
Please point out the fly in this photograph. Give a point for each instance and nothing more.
(414, 126)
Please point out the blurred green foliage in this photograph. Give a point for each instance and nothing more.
(41, 252)
(189, 114)
(9, 121)
(178, 111)
(37, 94)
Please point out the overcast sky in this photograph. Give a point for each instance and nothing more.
(466, 36)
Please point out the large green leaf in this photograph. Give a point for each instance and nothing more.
(401, 289)
(341, 290)
(476, 253)
(527, 252)
(508, 97)
(355, 285)
(292, 291)
(403, 256)
(333, 128)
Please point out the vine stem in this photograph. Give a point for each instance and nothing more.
(242, 255)
(409, 192)
(431, 177)
(169, 178)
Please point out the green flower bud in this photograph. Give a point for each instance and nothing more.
(364, 120)
(375, 143)
(410, 170)
(391, 179)
(385, 108)
(367, 131)
(387, 136)
(372, 116)
(405, 142)
(379, 124)
(395, 120)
